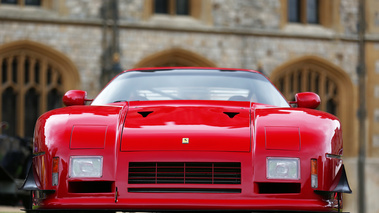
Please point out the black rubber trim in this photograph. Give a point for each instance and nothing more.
(30, 184)
(182, 190)
(164, 210)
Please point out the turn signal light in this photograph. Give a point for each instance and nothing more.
(55, 171)
(314, 177)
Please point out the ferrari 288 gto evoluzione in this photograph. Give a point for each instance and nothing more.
(188, 139)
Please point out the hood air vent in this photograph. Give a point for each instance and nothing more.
(231, 114)
(145, 113)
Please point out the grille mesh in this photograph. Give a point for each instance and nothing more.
(184, 173)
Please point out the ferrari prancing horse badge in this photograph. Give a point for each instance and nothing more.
(185, 140)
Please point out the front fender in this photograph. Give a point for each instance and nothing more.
(70, 131)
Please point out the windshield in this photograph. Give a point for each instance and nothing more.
(191, 85)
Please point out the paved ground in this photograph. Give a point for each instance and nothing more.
(14, 209)
(10, 209)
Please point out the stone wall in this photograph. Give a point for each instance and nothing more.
(81, 10)
(233, 50)
(349, 16)
(262, 14)
(131, 10)
(81, 44)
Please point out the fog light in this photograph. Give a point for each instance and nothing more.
(86, 166)
(283, 168)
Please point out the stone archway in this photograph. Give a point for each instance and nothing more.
(314, 74)
(175, 57)
(33, 80)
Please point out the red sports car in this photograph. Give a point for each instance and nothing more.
(186, 139)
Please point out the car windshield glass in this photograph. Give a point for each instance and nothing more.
(191, 85)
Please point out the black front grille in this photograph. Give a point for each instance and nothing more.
(182, 190)
(184, 173)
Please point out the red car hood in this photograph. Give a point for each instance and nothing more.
(187, 126)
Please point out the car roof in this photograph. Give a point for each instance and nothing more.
(189, 68)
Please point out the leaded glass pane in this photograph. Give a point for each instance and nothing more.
(14, 70)
(312, 11)
(36, 72)
(33, 2)
(4, 72)
(331, 107)
(293, 10)
(31, 111)
(161, 6)
(54, 99)
(8, 111)
(26, 71)
(49, 75)
(182, 7)
(9, 1)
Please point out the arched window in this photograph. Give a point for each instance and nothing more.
(333, 85)
(33, 80)
(310, 78)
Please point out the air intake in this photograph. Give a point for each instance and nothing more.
(184, 173)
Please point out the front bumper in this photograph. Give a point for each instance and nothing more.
(148, 205)
(120, 194)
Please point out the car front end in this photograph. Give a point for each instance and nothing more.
(184, 154)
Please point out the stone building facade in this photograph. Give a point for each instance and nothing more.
(50, 46)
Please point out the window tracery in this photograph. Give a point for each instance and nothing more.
(31, 82)
(305, 78)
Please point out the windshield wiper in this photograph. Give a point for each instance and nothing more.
(118, 101)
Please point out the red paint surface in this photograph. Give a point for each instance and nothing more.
(282, 138)
(88, 136)
(205, 124)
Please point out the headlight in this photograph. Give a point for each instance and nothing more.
(283, 168)
(86, 166)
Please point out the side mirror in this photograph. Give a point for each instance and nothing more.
(75, 97)
(307, 100)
